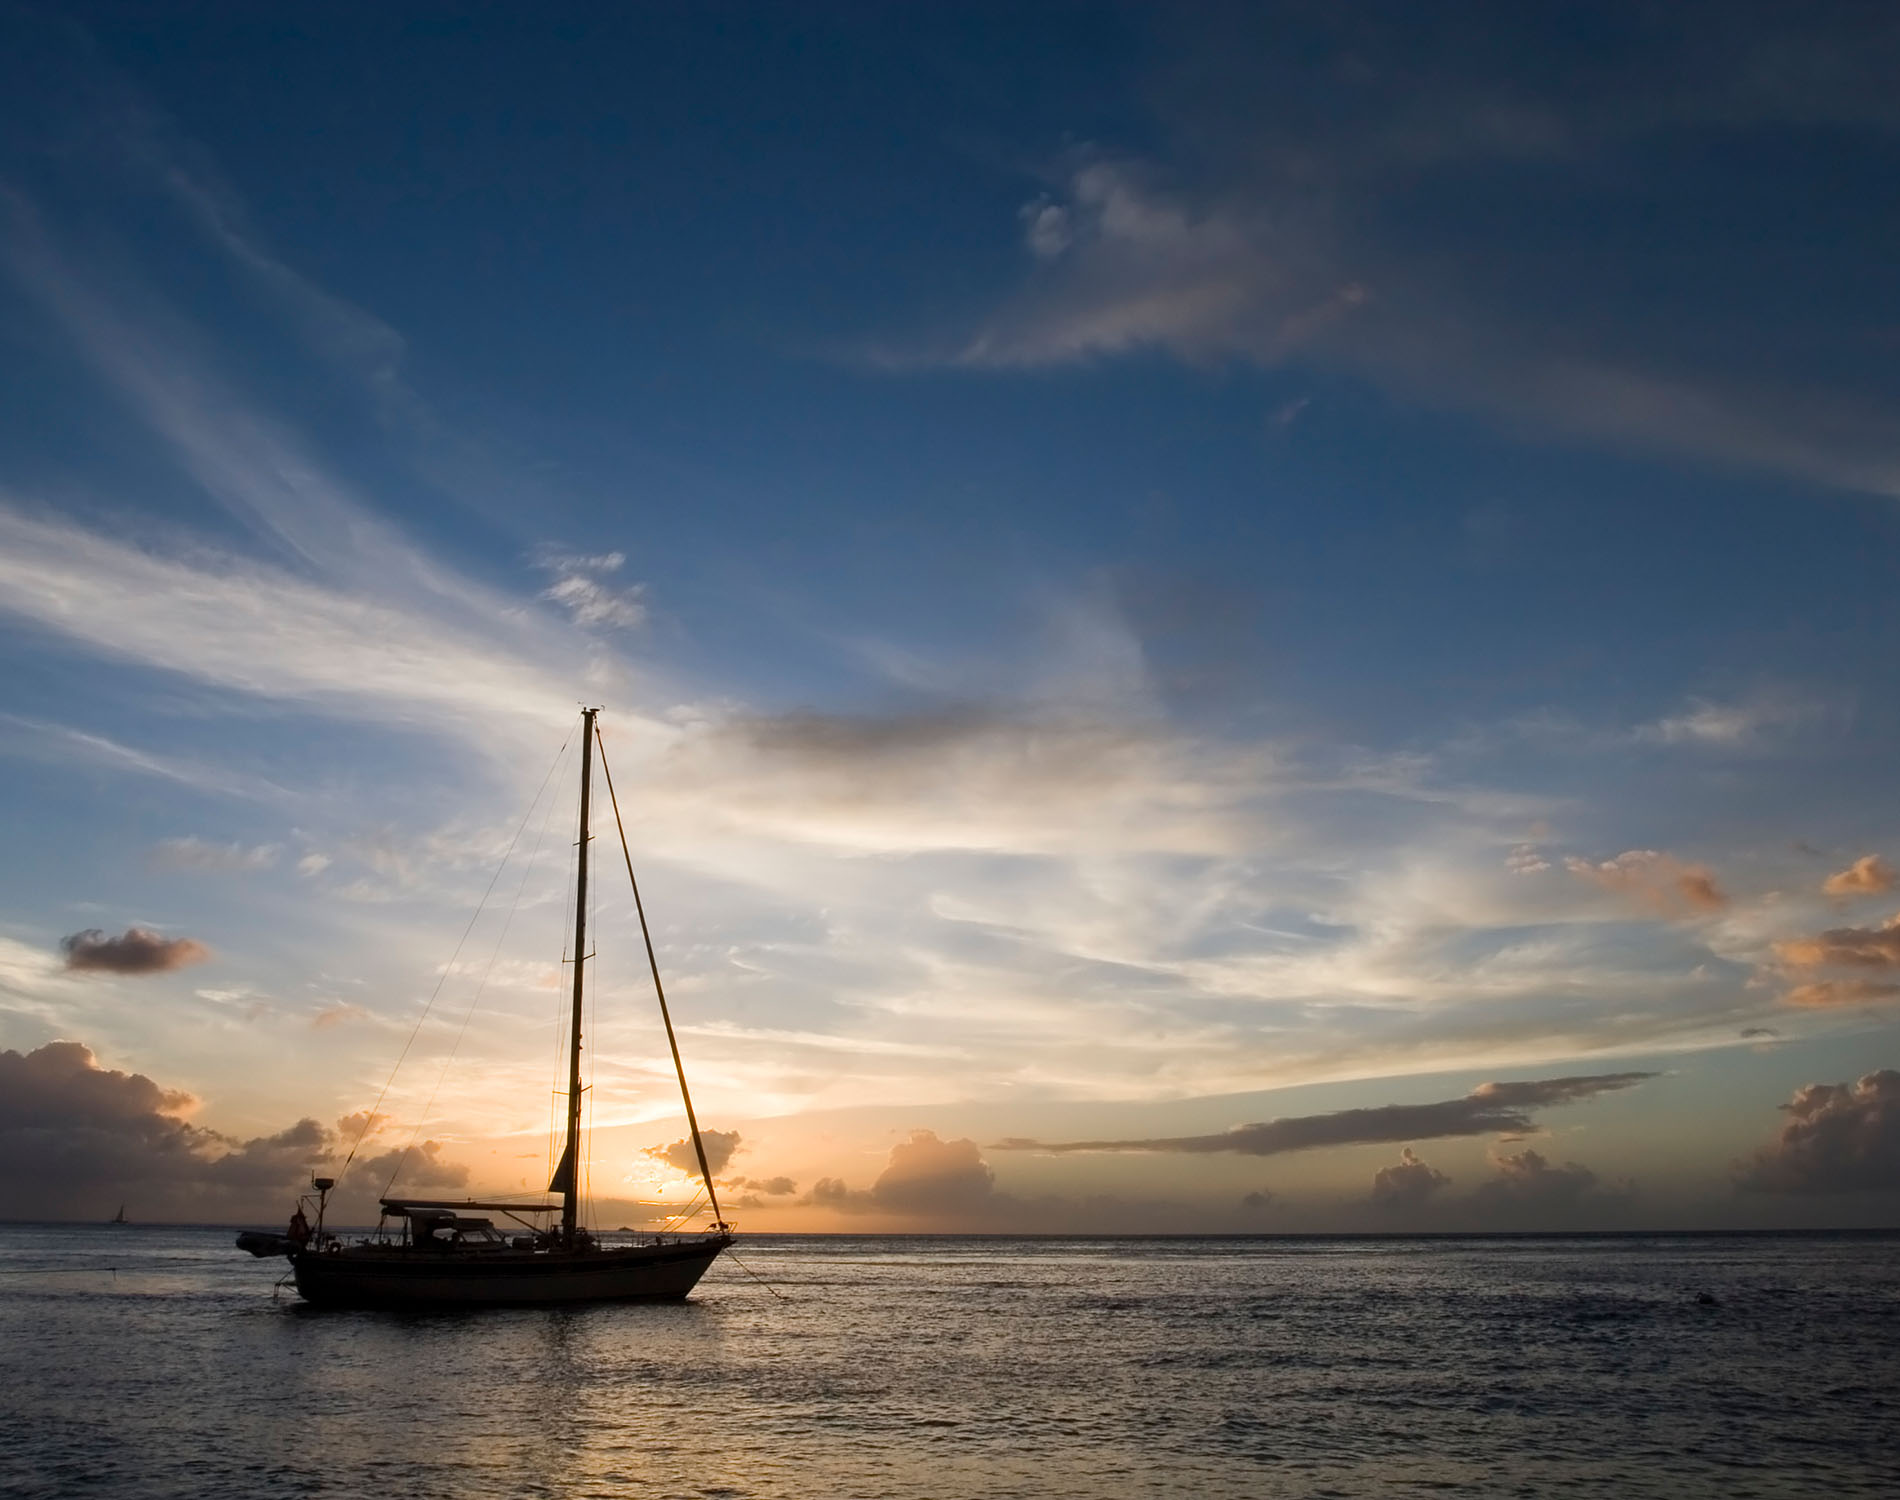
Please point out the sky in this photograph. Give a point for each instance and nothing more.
(1273, 618)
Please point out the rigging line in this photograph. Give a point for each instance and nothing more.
(676, 1223)
(686, 1098)
(468, 1015)
(370, 1118)
(756, 1276)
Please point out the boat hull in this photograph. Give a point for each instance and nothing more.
(369, 1276)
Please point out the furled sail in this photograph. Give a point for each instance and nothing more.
(563, 1179)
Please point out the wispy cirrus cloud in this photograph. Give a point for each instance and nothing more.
(64, 745)
(975, 778)
(1764, 721)
(582, 586)
(1128, 265)
(1255, 275)
(193, 853)
(251, 628)
(1259, 229)
(1732, 725)
(344, 614)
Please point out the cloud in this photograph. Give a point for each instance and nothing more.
(772, 1187)
(832, 1192)
(138, 950)
(1407, 1184)
(1700, 724)
(1843, 948)
(246, 627)
(340, 331)
(721, 1146)
(1046, 228)
(926, 1177)
(1263, 228)
(1083, 866)
(1491, 1108)
(580, 587)
(1867, 876)
(64, 746)
(975, 778)
(1660, 882)
(338, 1014)
(193, 853)
(1257, 1201)
(1132, 265)
(1846, 947)
(1727, 725)
(348, 618)
(1819, 994)
(1527, 1181)
(408, 1168)
(362, 1125)
(1838, 1138)
(75, 1136)
(1526, 859)
(931, 1176)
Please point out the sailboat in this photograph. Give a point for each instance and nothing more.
(451, 1254)
(119, 1217)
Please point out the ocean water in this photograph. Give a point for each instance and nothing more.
(162, 1362)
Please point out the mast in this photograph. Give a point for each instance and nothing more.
(567, 1175)
(686, 1097)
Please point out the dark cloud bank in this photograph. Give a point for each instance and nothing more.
(77, 1140)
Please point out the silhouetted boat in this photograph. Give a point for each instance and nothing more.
(119, 1217)
(452, 1254)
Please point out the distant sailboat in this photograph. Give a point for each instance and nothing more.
(119, 1217)
(451, 1253)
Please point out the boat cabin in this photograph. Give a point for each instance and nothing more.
(439, 1229)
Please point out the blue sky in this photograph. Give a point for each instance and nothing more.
(1149, 571)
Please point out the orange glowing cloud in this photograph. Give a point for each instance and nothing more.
(1845, 947)
(1867, 876)
(1668, 886)
(1822, 993)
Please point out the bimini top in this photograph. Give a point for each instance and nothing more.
(402, 1207)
